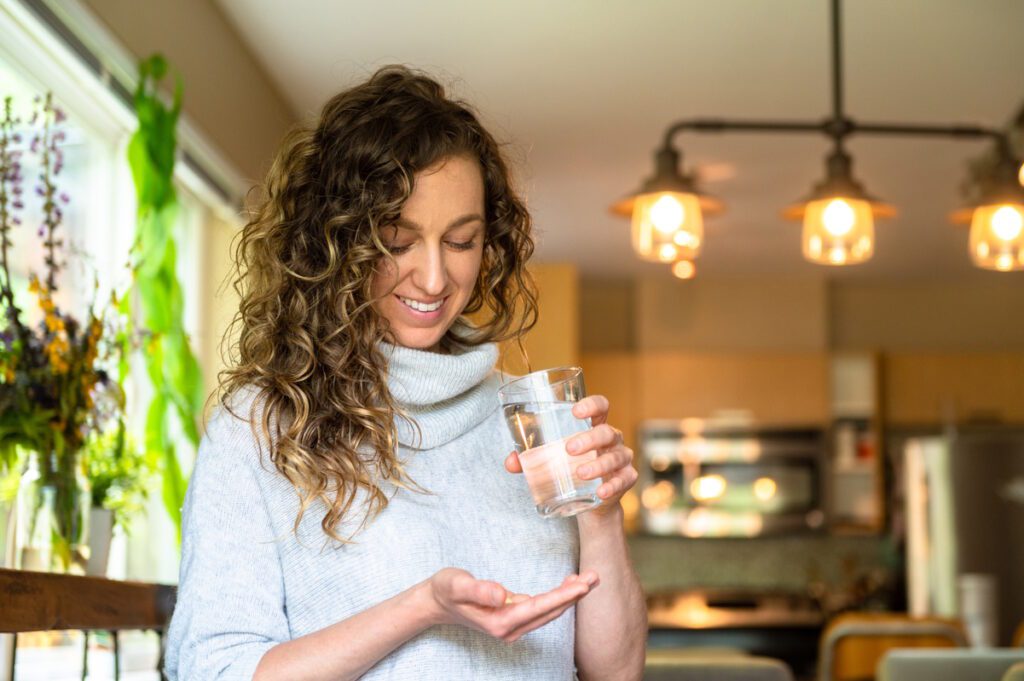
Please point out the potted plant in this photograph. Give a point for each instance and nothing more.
(56, 382)
(119, 474)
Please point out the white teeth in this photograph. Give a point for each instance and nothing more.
(422, 307)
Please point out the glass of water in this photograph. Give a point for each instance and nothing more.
(538, 411)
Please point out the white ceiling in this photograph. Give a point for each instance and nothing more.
(584, 89)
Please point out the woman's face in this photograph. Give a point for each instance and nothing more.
(437, 244)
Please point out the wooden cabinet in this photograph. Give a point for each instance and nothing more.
(774, 388)
(929, 388)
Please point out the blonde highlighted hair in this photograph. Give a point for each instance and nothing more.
(305, 337)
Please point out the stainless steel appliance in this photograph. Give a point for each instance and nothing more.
(964, 494)
(701, 478)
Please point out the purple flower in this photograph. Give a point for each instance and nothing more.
(16, 137)
(59, 115)
(42, 232)
(16, 221)
(64, 197)
(18, 205)
(40, 191)
(35, 144)
(17, 190)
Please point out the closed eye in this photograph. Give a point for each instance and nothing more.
(462, 245)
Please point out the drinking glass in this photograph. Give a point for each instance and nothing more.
(538, 411)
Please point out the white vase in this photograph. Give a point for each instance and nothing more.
(101, 530)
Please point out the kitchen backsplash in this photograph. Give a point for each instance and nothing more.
(788, 563)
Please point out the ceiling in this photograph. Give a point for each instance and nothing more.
(583, 91)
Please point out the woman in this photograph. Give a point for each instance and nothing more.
(348, 516)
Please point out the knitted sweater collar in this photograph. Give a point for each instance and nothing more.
(445, 394)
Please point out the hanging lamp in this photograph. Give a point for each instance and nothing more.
(668, 212)
(996, 240)
(838, 217)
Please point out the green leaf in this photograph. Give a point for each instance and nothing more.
(174, 488)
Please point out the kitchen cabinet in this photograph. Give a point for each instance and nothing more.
(931, 388)
(856, 471)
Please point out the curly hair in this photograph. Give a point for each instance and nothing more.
(307, 333)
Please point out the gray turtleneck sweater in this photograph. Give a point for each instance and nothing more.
(247, 582)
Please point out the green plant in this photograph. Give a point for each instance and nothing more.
(172, 368)
(119, 473)
(54, 376)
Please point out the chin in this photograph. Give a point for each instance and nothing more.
(418, 339)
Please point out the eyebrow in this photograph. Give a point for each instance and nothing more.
(458, 222)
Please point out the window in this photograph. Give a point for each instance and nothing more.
(98, 228)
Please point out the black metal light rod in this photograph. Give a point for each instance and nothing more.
(837, 65)
(837, 127)
(834, 129)
(928, 130)
(721, 125)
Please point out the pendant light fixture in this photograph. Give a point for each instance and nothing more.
(839, 215)
(996, 238)
(668, 213)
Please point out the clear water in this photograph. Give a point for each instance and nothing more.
(540, 430)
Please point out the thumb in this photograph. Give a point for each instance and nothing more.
(512, 464)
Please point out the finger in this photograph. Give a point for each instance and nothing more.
(606, 464)
(598, 437)
(543, 619)
(618, 483)
(537, 623)
(513, 598)
(512, 464)
(541, 604)
(594, 407)
(478, 592)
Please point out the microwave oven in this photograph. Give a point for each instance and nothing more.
(699, 478)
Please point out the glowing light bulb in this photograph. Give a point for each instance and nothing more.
(686, 239)
(765, 488)
(1007, 223)
(983, 249)
(667, 252)
(708, 487)
(684, 269)
(815, 246)
(1004, 262)
(837, 255)
(838, 217)
(667, 214)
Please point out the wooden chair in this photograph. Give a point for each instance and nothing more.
(712, 665)
(966, 664)
(853, 643)
(1014, 673)
(38, 601)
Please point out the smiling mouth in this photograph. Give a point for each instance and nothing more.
(421, 306)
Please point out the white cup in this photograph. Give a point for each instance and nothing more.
(979, 609)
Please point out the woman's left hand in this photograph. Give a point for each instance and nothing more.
(614, 459)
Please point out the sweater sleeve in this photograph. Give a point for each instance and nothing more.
(230, 606)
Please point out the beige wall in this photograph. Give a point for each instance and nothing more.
(219, 300)
(790, 315)
(227, 94)
(554, 341)
(986, 314)
(731, 314)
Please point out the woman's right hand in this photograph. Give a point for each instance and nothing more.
(488, 607)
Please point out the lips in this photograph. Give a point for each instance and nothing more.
(422, 315)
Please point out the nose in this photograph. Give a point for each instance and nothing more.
(430, 274)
